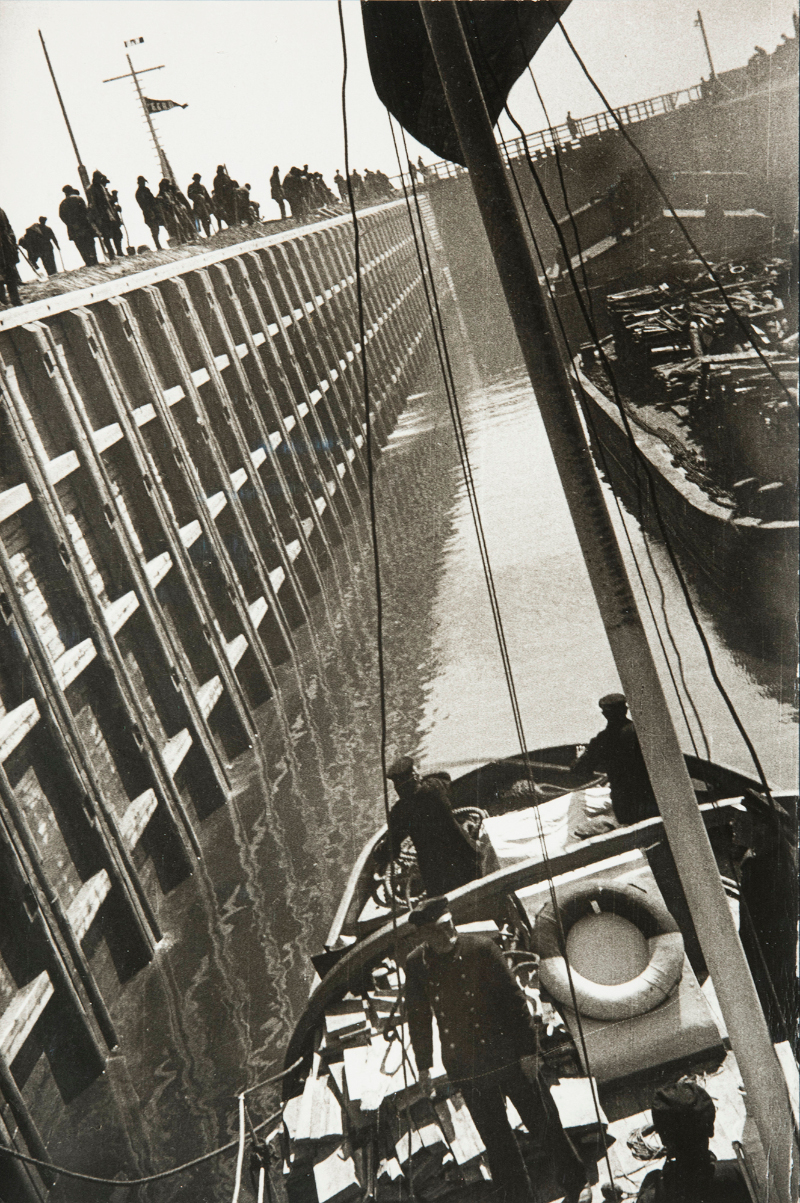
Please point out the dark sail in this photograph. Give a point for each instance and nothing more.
(503, 36)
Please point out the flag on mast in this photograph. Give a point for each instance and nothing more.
(133, 42)
(161, 106)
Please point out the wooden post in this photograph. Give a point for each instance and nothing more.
(22, 1116)
(17, 817)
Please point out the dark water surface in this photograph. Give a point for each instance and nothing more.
(214, 1012)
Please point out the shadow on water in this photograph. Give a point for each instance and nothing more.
(214, 1011)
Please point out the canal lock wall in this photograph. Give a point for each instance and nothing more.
(183, 450)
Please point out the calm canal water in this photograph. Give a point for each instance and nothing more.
(215, 1011)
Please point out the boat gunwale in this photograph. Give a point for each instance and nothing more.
(476, 895)
(693, 494)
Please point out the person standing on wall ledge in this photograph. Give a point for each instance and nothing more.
(615, 751)
(276, 191)
(489, 1051)
(151, 209)
(75, 216)
(9, 258)
(38, 241)
(447, 857)
(202, 205)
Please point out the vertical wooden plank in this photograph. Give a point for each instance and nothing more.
(29, 855)
(41, 488)
(227, 452)
(125, 367)
(232, 605)
(95, 615)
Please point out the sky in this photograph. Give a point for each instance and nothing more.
(262, 81)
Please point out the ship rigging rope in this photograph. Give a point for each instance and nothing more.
(560, 932)
(604, 468)
(376, 559)
(589, 418)
(177, 1169)
(645, 467)
(746, 917)
(681, 226)
(432, 299)
(590, 422)
(466, 466)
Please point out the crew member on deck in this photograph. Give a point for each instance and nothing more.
(447, 857)
(616, 752)
(683, 1116)
(489, 1048)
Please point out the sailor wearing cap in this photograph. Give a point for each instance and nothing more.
(485, 1029)
(616, 752)
(446, 855)
(683, 1116)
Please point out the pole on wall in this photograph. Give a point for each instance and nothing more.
(82, 172)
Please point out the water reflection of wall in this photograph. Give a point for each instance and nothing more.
(181, 553)
(214, 1011)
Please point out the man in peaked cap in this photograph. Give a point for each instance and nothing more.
(151, 209)
(616, 752)
(38, 240)
(446, 855)
(9, 257)
(75, 216)
(202, 205)
(683, 1116)
(486, 1031)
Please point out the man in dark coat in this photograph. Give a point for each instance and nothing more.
(683, 1116)
(151, 209)
(446, 855)
(276, 191)
(101, 212)
(116, 223)
(38, 241)
(222, 189)
(9, 258)
(202, 205)
(487, 1037)
(616, 752)
(75, 216)
(341, 184)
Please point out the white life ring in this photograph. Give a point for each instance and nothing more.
(626, 999)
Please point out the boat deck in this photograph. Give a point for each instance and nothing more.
(359, 1070)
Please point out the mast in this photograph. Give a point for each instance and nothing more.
(163, 161)
(699, 21)
(766, 1088)
(82, 172)
(162, 158)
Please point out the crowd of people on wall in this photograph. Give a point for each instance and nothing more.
(177, 216)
